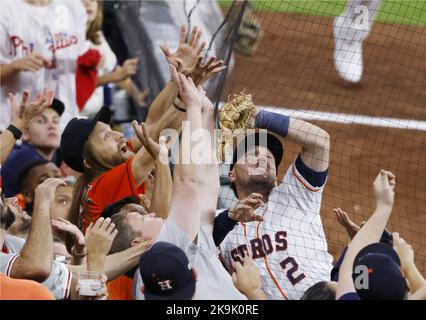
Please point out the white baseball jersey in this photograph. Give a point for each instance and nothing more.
(289, 246)
(59, 280)
(57, 31)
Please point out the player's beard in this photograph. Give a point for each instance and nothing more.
(262, 184)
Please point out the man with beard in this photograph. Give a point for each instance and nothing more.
(287, 243)
(113, 168)
(33, 259)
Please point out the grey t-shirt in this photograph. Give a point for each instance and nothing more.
(213, 281)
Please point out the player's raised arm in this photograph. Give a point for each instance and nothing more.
(315, 141)
(371, 231)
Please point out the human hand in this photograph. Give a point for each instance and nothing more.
(140, 97)
(74, 232)
(384, 186)
(156, 150)
(346, 222)
(191, 95)
(206, 70)
(188, 53)
(404, 250)
(31, 62)
(243, 211)
(45, 192)
(102, 294)
(21, 116)
(128, 69)
(145, 201)
(246, 277)
(99, 237)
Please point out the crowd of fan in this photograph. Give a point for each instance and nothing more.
(76, 196)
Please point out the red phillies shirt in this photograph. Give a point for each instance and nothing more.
(111, 186)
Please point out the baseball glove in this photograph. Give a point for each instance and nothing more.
(238, 113)
(236, 116)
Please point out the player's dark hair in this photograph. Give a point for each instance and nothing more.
(320, 291)
(116, 207)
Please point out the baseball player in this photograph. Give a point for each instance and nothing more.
(287, 244)
(349, 30)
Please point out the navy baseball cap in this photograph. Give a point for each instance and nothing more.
(20, 161)
(166, 273)
(273, 144)
(385, 278)
(75, 136)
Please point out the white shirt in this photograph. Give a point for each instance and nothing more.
(289, 247)
(59, 280)
(213, 281)
(59, 26)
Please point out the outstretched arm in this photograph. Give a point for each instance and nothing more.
(371, 231)
(189, 177)
(186, 59)
(35, 261)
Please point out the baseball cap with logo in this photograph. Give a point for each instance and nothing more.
(75, 136)
(385, 278)
(166, 273)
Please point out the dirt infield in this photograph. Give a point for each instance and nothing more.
(294, 68)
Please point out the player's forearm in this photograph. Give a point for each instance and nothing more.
(7, 71)
(315, 143)
(163, 189)
(37, 254)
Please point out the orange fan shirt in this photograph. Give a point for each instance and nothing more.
(18, 289)
(111, 186)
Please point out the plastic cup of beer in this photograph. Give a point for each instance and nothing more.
(89, 284)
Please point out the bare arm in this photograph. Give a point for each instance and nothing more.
(406, 256)
(32, 62)
(370, 232)
(163, 189)
(315, 143)
(119, 263)
(35, 261)
(185, 208)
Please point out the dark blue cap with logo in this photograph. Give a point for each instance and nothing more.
(385, 279)
(20, 161)
(75, 136)
(166, 273)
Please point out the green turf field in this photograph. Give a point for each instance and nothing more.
(390, 11)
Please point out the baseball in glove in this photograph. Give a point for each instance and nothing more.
(236, 116)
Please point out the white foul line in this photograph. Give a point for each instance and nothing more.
(404, 124)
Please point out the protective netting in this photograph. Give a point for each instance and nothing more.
(285, 58)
